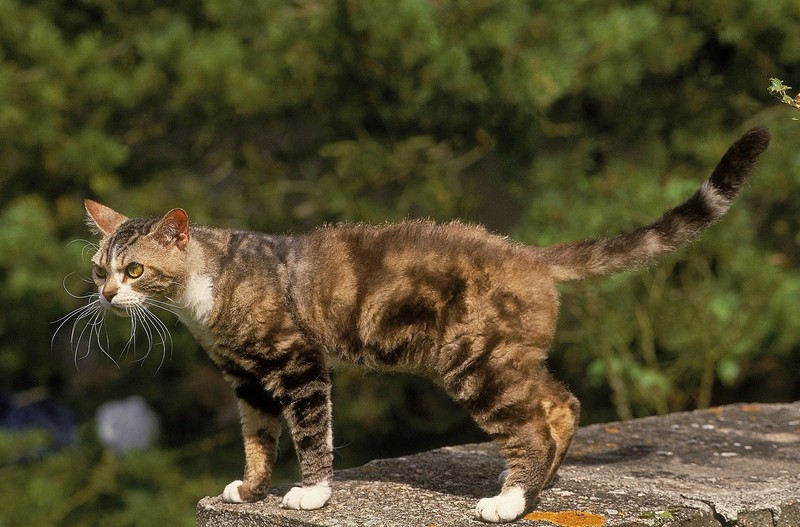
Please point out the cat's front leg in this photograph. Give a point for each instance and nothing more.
(309, 418)
(261, 428)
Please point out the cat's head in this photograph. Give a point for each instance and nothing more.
(139, 260)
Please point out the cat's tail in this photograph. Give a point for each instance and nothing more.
(675, 229)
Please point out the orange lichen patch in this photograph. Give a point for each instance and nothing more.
(612, 430)
(569, 518)
(716, 410)
(751, 408)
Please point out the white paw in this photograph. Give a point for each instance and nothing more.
(505, 507)
(307, 498)
(231, 492)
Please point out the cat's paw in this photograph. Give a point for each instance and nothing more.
(307, 498)
(231, 492)
(505, 507)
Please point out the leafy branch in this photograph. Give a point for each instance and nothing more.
(779, 89)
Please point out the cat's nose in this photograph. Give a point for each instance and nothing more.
(109, 293)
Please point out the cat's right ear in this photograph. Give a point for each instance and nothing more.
(101, 219)
(173, 229)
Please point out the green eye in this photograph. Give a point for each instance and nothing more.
(99, 272)
(134, 270)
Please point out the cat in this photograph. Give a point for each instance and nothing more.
(474, 311)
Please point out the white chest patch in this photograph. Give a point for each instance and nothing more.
(198, 299)
(195, 307)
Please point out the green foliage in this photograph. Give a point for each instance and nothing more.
(86, 486)
(779, 89)
(551, 121)
(16, 446)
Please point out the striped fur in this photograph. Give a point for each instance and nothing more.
(675, 229)
(472, 310)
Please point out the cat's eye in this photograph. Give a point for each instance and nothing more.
(134, 270)
(99, 272)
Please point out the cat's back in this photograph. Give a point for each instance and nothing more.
(417, 241)
(417, 250)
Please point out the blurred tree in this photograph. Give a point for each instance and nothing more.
(549, 120)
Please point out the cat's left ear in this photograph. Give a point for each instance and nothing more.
(173, 229)
(101, 219)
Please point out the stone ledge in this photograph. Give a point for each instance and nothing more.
(735, 465)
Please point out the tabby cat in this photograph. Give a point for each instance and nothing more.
(474, 311)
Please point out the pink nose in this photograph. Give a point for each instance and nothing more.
(109, 293)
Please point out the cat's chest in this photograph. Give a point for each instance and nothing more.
(196, 306)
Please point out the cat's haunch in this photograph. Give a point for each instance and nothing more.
(475, 311)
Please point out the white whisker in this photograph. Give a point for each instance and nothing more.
(73, 295)
(169, 307)
(143, 320)
(87, 247)
(160, 329)
(175, 304)
(100, 326)
(89, 331)
(130, 345)
(88, 316)
(77, 313)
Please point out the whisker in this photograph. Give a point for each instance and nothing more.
(76, 357)
(77, 313)
(130, 345)
(89, 319)
(90, 325)
(89, 331)
(73, 295)
(142, 319)
(170, 308)
(87, 246)
(175, 304)
(91, 313)
(155, 329)
(163, 333)
(101, 327)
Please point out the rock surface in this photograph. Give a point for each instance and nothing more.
(735, 465)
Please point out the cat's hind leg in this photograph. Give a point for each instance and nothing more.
(529, 451)
(534, 438)
(562, 412)
(532, 417)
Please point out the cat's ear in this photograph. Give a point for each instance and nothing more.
(173, 229)
(101, 219)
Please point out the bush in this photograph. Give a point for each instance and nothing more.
(552, 122)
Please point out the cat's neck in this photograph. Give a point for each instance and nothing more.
(219, 261)
(197, 299)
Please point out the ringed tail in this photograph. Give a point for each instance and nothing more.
(675, 229)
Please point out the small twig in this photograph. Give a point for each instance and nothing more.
(779, 89)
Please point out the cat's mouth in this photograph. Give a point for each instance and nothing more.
(117, 308)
